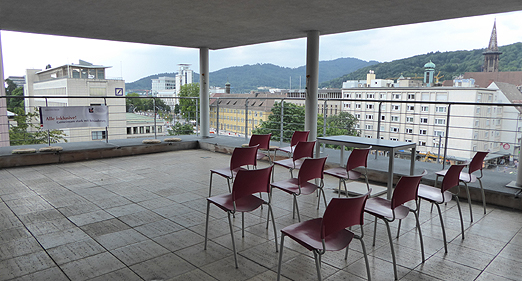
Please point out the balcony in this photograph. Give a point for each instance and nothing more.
(142, 217)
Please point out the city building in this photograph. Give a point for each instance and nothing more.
(143, 126)
(492, 54)
(78, 80)
(185, 76)
(165, 89)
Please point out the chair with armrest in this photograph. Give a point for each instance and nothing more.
(357, 158)
(469, 177)
(442, 195)
(242, 199)
(390, 210)
(241, 156)
(330, 232)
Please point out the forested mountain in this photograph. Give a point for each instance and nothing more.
(250, 77)
(450, 64)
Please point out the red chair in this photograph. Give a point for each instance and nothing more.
(263, 143)
(405, 191)
(442, 195)
(242, 200)
(297, 136)
(304, 149)
(310, 170)
(329, 233)
(241, 156)
(358, 158)
(469, 177)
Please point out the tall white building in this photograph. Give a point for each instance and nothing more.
(79, 80)
(165, 88)
(185, 76)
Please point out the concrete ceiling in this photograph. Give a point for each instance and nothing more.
(218, 24)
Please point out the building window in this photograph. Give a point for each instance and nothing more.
(440, 121)
(369, 116)
(486, 134)
(478, 110)
(369, 127)
(383, 117)
(477, 123)
(411, 96)
(370, 96)
(357, 115)
(394, 139)
(357, 126)
(487, 122)
(438, 133)
(425, 108)
(142, 130)
(358, 96)
(409, 131)
(396, 107)
(423, 132)
(410, 107)
(396, 96)
(357, 105)
(382, 96)
(408, 140)
(368, 136)
(98, 135)
(440, 109)
(424, 120)
(422, 143)
(395, 118)
(409, 119)
(394, 129)
(369, 106)
(347, 96)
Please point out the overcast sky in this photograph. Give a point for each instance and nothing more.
(133, 61)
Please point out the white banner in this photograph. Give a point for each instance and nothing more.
(54, 117)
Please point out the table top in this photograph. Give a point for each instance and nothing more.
(365, 142)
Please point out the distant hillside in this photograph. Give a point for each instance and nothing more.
(250, 77)
(450, 64)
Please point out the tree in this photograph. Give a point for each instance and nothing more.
(27, 131)
(187, 107)
(133, 103)
(340, 124)
(181, 129)
(13, 91)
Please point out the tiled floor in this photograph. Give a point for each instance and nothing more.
(143, 218)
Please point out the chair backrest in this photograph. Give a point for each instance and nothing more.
(477, 161)
(451, 178)
(358, 158)
(303, 149)
(298, 136)
(312, 168)
(249, 182)
(406, 190)
(342, 213)
(262, 140)
(242, 156)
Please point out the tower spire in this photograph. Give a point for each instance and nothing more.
(491, 55)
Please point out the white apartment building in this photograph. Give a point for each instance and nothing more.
(79, 80)
(165, 88)
(185, 76)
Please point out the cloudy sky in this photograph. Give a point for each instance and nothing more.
(133, 61)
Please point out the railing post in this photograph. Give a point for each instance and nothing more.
(217, 117)
(379, 126)
(197, 118)
(246, 120)
(324, 123)
(447, 135)
(106, 129)
(48, 131)
(155, 126)
(282, 132)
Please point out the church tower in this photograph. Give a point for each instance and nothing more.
(491, 55)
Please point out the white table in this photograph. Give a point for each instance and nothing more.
(376, 144)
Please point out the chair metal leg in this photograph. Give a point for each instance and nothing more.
(366, 259)
(367, 183)
(374, 232)
(420, 235)
(339, 190)
(280, 256)
(399, 229)
(317, 266)
(232, 235)
(229, 188)
(345, 188)
(297, 208)
(460, 214)
(270, 210)
(469, 201)
(392, 250)
(483, 195)
(324, 198)
(210, 186)
(242, 224)
(273, 225)
(443, 230)
(206, 225)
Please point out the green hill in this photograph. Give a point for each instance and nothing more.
(250, 77)
(450, 64)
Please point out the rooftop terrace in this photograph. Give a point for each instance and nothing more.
(142, 217)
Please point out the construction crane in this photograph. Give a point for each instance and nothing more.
(437, 77)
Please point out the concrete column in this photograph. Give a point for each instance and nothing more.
(312, 82)
(4, 128)
(204, 93)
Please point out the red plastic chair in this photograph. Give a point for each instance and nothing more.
(329, 233)
(263, 143)
(241, 156)
(442, 195)
(310, 170)
(358, 158)
(390, 210)
(304, 149)
(297, 137)
(246, 183)
(474, 165)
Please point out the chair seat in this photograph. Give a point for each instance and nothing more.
(226, 172)
(308, 234)
(341, 173)
(245, 204)
(465, 177)
(382, 208)
(291, 186)
(289, 163)
(433, 194)
(260, 155)
(287, 149)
